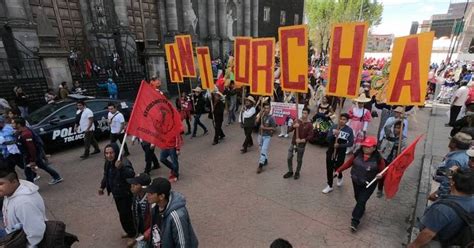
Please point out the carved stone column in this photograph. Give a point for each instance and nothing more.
(202, 16)
(255, 18)
(247, 18)
(213, 39)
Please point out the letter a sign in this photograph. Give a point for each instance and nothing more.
(346, 58)
(409, 69)
(174, 63)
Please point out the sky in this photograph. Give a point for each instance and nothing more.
(398, 14)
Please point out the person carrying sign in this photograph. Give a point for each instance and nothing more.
(267, 128)
(248, 122)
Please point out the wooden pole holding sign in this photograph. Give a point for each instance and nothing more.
(401, 133)
(212, 108)
(297, 115)
(122, 145)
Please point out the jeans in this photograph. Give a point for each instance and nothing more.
(232, 109)
(264, 143)
(42, 165)
(88, 140)
(119, 136)
(218, 133)
(197, 121)
(333, 164)
(453, 114)
(362, 195)
(173, 165)
(150, 156)
(299, 156)
(124, 208)
(248, 137)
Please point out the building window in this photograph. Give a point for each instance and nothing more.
(266, 14)
(297, 19)
(282, 17)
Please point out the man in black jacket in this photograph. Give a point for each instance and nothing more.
(116, 173)
(199, 109)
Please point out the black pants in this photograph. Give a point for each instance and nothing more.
(150, 156)
(119, 136)
(380, 184)
(299, 150)
(248, 137)
(453, 114)
(362, 195)
(333, 163)
(218, 133)
(124, 208)
(89, 140)
(188, 124)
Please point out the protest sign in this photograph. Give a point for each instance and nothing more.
(174, 63)
(242, 60)
(185, 48)
(281, 111)
(293, 42)
(205, 68)
(262, 66)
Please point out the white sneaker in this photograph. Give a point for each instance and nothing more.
(339, 182)
(36, 178)
(327, 189)
(280, 135)
(286, 135)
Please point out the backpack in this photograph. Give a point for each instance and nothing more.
(465, 237)
(55, 236)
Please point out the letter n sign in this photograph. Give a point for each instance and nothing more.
(409, 69)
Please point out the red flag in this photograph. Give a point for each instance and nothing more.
(154, 119)
(398, 167)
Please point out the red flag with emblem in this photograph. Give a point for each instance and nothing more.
(398, 167)
(154, 118)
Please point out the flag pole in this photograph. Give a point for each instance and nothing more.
(338, 115)
(297, 113)
(243, 103)
(122, 145)
(179, 91)
(375, 179)
(212, 107)
(399, 149)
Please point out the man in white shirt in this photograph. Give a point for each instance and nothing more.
(460, 98)
(116, 122)
(86, 125)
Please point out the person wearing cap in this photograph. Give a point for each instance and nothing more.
(303, 131)
(247, 116)
(114, 180)
(456, 157)
(460, 98)
(155, 82)
(360, 118)
(10, 152)
(397, 116)
(170, 223)
(140, 208)
(218, 115)
(366, 163)
(199, 108)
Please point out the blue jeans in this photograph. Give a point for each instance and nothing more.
(173, 165)
(197, 121)
(264, 143)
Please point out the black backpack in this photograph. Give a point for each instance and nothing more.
(465, 237)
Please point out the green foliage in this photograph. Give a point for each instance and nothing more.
(323, 13)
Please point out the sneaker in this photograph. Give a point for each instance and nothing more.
(339, 182)
(155, 167)
(297, 176)
(288, 174)
(379, 193)
(281, 135)
(260, 169)
(205, 133)
(55, 181)
(243, 150)
(36, 178)
(172, 178)
(215, 143)
(327, 189)
(354, 226)
(286, 135)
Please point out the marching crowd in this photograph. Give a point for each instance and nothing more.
(153, 215)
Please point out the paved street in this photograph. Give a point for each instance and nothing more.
(231, 206)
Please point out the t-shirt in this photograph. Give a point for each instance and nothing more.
(443, 220)
(268, 121)
(461, 96)
(84, 121)
(116, 120)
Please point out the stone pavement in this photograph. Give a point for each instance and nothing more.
(231, 206)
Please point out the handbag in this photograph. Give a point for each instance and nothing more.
(15, 239)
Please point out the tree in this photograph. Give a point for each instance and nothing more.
(322, 14)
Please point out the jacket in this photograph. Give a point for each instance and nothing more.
(305, 131)
(345, 139)
(176, 228)
(24, 209)
(219, 111)
(199, 104)
(115, 180)
(110, 86)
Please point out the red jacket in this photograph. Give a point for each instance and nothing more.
(26, 139)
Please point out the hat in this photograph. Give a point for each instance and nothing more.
(369, 141)
(463, 140)
(470, 152)
(362, 98)
(160, 186)
(250, 98)
(142, 179)
(399, 109)
(197, 89)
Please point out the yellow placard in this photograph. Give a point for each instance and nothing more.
(409, 69)
(185, 48)
(205, 68)
(293, 41)
(262, 66)
(174, 63)
(346, 58)
(242, 47)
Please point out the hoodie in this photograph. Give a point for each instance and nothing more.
(176, 228)
(115, 180)
(25, 209)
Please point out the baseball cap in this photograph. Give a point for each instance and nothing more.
(159, 185)
(142, 179)
(369, 141)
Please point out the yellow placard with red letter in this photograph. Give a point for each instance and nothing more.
(205, 68)
(242, 47)
(174, 63)
(185, 48)
(409, 69)
(346, 58)
(262, 66)
(294, 58)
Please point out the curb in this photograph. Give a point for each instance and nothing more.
(424, 186)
